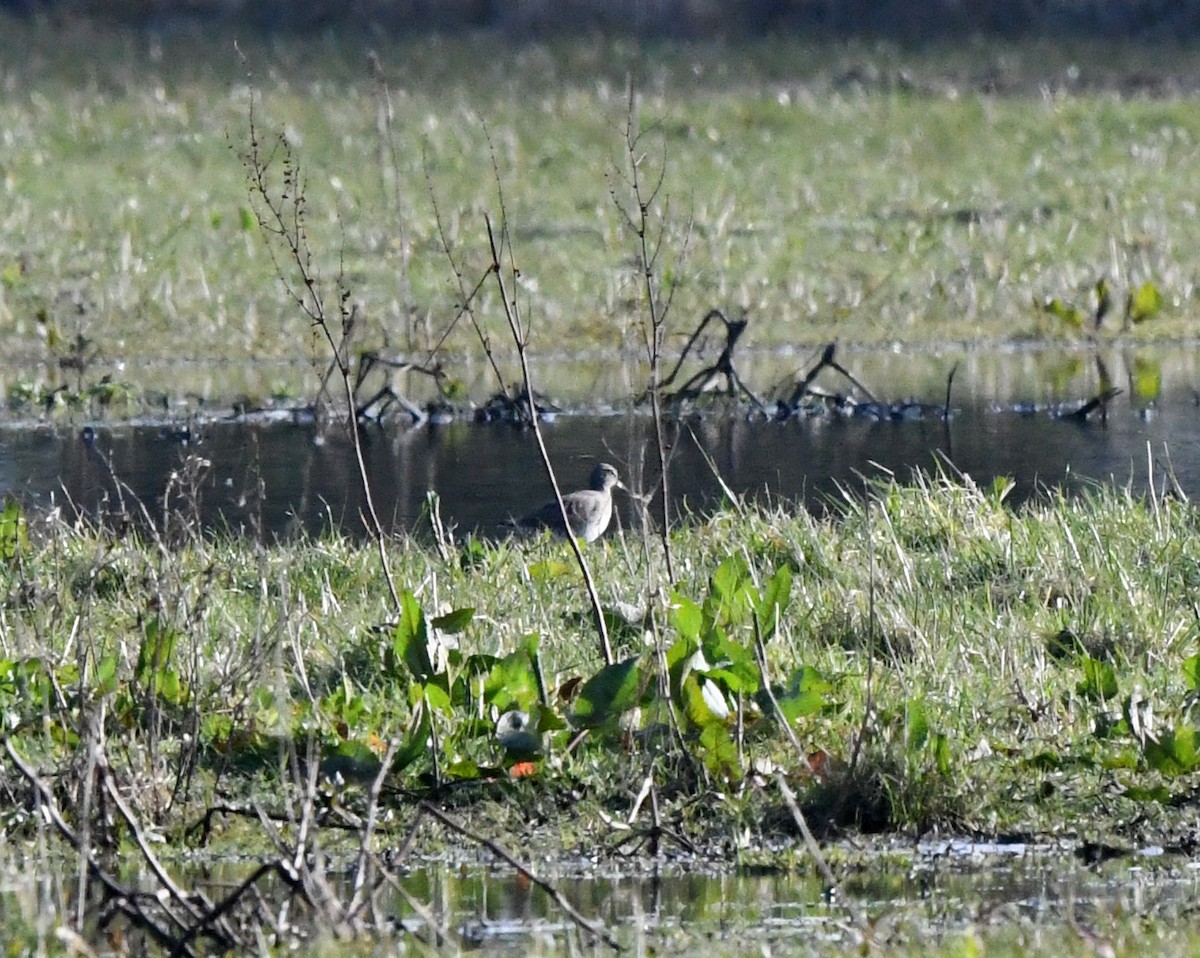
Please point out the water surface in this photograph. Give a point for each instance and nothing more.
(281, 477)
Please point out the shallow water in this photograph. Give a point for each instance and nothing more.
(280, 477)
(922, 892)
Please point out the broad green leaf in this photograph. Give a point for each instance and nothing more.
(735, 681)
(416, 745)
(1146, 379)
(1173, 752)
(696, 708)
(11, 275)
(1191, 671)
(550, 569)
(733, 663)
(547, 720)
(729, 577)
(941, 753)
(437, 697)
(1155, 793)
(512, 683)
(1125, 758)
(154, 654)
(1144, 303)
(1099, 682)
(14, 534)
(805, 694)
(687, 617)
(774, 601)
(916, 726)
(608, 693)
(104, 680)
(1069, 315)
(462, 770)
(731, 594)
(410, 638)
(454, 622)
(720, 751)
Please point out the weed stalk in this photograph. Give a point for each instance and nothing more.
(648, 223)
(516, 325)
(282, 220)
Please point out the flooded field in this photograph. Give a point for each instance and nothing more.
(930, 891)
(1009, 416)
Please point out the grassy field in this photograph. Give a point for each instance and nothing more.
(862, 192)
(944, 663)
(946, 666)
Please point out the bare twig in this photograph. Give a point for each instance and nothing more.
(639, 217)
(520, 339)
(282, 219)
(593, 928)
(810, 842)
(368, 833)
(467, 296)
(127, 901)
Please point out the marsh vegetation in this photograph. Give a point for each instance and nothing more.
(739, 691)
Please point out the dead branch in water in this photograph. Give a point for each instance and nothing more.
(390, 369)
(827, 360)
(703, 381)
(1098, 402)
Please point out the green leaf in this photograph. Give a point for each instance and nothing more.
(999, 489)
(1173, 752)
(733, 663)
(806, 694)
(731, 594)
(1099, 682)
(1157, 793)
(696, 707)
(452, 623)
(774, 601)
(1061, 311)
(462, 770)
(916, 726)
(14, 533)
(153, 670)
(10, 277)
(410, 638)
(729, 577)
(473, 554)
(437, 697)
(247, 218)
(1191, 671)
(512, 683)
(1146, 379)
(720, 751)
(687, 617)
(941, 753)
(416, 745)
(608, 693)
(1143, 304)
(549, 569)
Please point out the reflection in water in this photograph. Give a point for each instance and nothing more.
(280, 478)
(931, 891)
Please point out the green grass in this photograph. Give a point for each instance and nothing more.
(860, 192)
(948, 663)
(965, 667)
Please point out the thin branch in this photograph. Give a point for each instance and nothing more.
(512, 314)
(593, 928)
